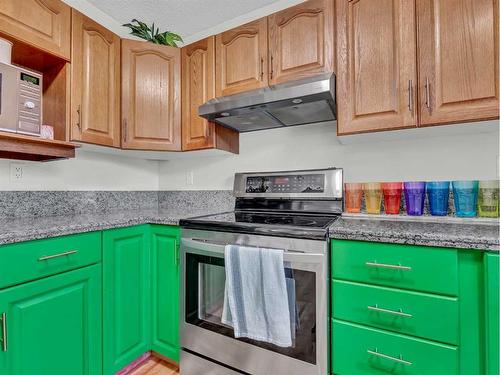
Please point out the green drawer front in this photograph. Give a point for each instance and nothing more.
(32, 260)
(420, 268)
(357, 350)
(413, 313)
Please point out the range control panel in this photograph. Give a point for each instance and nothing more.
(286, 184)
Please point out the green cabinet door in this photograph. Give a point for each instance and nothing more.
(165, 290)
(126, 296)
(53, 325)
(492, 265)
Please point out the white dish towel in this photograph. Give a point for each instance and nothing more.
(256, 298)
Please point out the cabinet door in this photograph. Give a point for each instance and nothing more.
(165, 289)
(45, 24)
(198, 86)
(492, 313)
(95, 83)
(53, 325)
(457, 60)
(241, 58)
(151, 90)
(126, 300)
(376, 65)
(301, 41)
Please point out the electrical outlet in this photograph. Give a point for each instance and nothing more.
(190, 178)
(16, 172)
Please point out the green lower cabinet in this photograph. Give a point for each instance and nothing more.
(440, 311)
(53, 325)
(360, 350)
(126, 296)
(141, 294)
(492, 270)
(165, 290)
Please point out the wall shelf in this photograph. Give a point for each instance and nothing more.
(25, 147)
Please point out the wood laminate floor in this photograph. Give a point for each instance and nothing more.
(155, 366)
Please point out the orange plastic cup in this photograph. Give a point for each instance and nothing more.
(373, 197)
(392, 197)
(353, 196)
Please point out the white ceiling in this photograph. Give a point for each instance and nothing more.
(189, 18)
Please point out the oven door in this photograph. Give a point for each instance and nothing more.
(203, 287)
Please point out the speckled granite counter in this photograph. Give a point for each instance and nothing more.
(425, 233)
(32, 228)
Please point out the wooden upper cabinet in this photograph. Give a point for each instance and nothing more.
(241, 58)
(198, 86)
(45, 24)
(95, 83)
(458, 60)
(151, 96)
(301, 41)
(376, 66)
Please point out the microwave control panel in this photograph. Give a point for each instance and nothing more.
(288, 184)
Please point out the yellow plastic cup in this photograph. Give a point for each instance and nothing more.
(488, 198)
(373, 197)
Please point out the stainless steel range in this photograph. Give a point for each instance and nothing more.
(280, 210)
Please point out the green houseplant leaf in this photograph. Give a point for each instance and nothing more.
(152, 34)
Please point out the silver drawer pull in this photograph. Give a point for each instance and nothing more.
(393, 312)
(47, 257)
(4, 332)
(391, 266)
(390, 358)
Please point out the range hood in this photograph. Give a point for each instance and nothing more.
(304, 101)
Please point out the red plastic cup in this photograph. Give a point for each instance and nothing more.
(353, 195)
(392, 197)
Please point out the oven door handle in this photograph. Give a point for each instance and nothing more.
(218, 249)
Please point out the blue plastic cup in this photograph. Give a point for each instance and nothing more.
(414, 198)
(438, 193)
(465, 198)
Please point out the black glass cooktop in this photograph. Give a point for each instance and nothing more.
(313, 221)
(275, 224)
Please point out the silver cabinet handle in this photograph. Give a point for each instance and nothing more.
(124, 130)
(410, 96)
(272, 67)
(387, 311)
(427, 93)
(390, 358)
(261, 68)
(47, 257)
(79, 120)
(4, 332)
(391, 266)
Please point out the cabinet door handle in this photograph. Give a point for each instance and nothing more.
(271, 74)
(427, 93)
(79, 118)
(261, 68)
(390, 358)
(4, 332)
(387, 311)
(375, 264)
(410, 96)
(66, 253)
(124, 129)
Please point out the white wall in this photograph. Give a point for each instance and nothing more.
(469, 151)
(88, 171)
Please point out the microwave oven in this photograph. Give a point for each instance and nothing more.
(20, 100)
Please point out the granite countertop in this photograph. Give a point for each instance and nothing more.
(38, 227)
(442, 233)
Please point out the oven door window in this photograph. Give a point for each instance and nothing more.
(205, 285)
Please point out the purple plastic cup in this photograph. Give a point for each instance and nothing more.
(414, 198)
